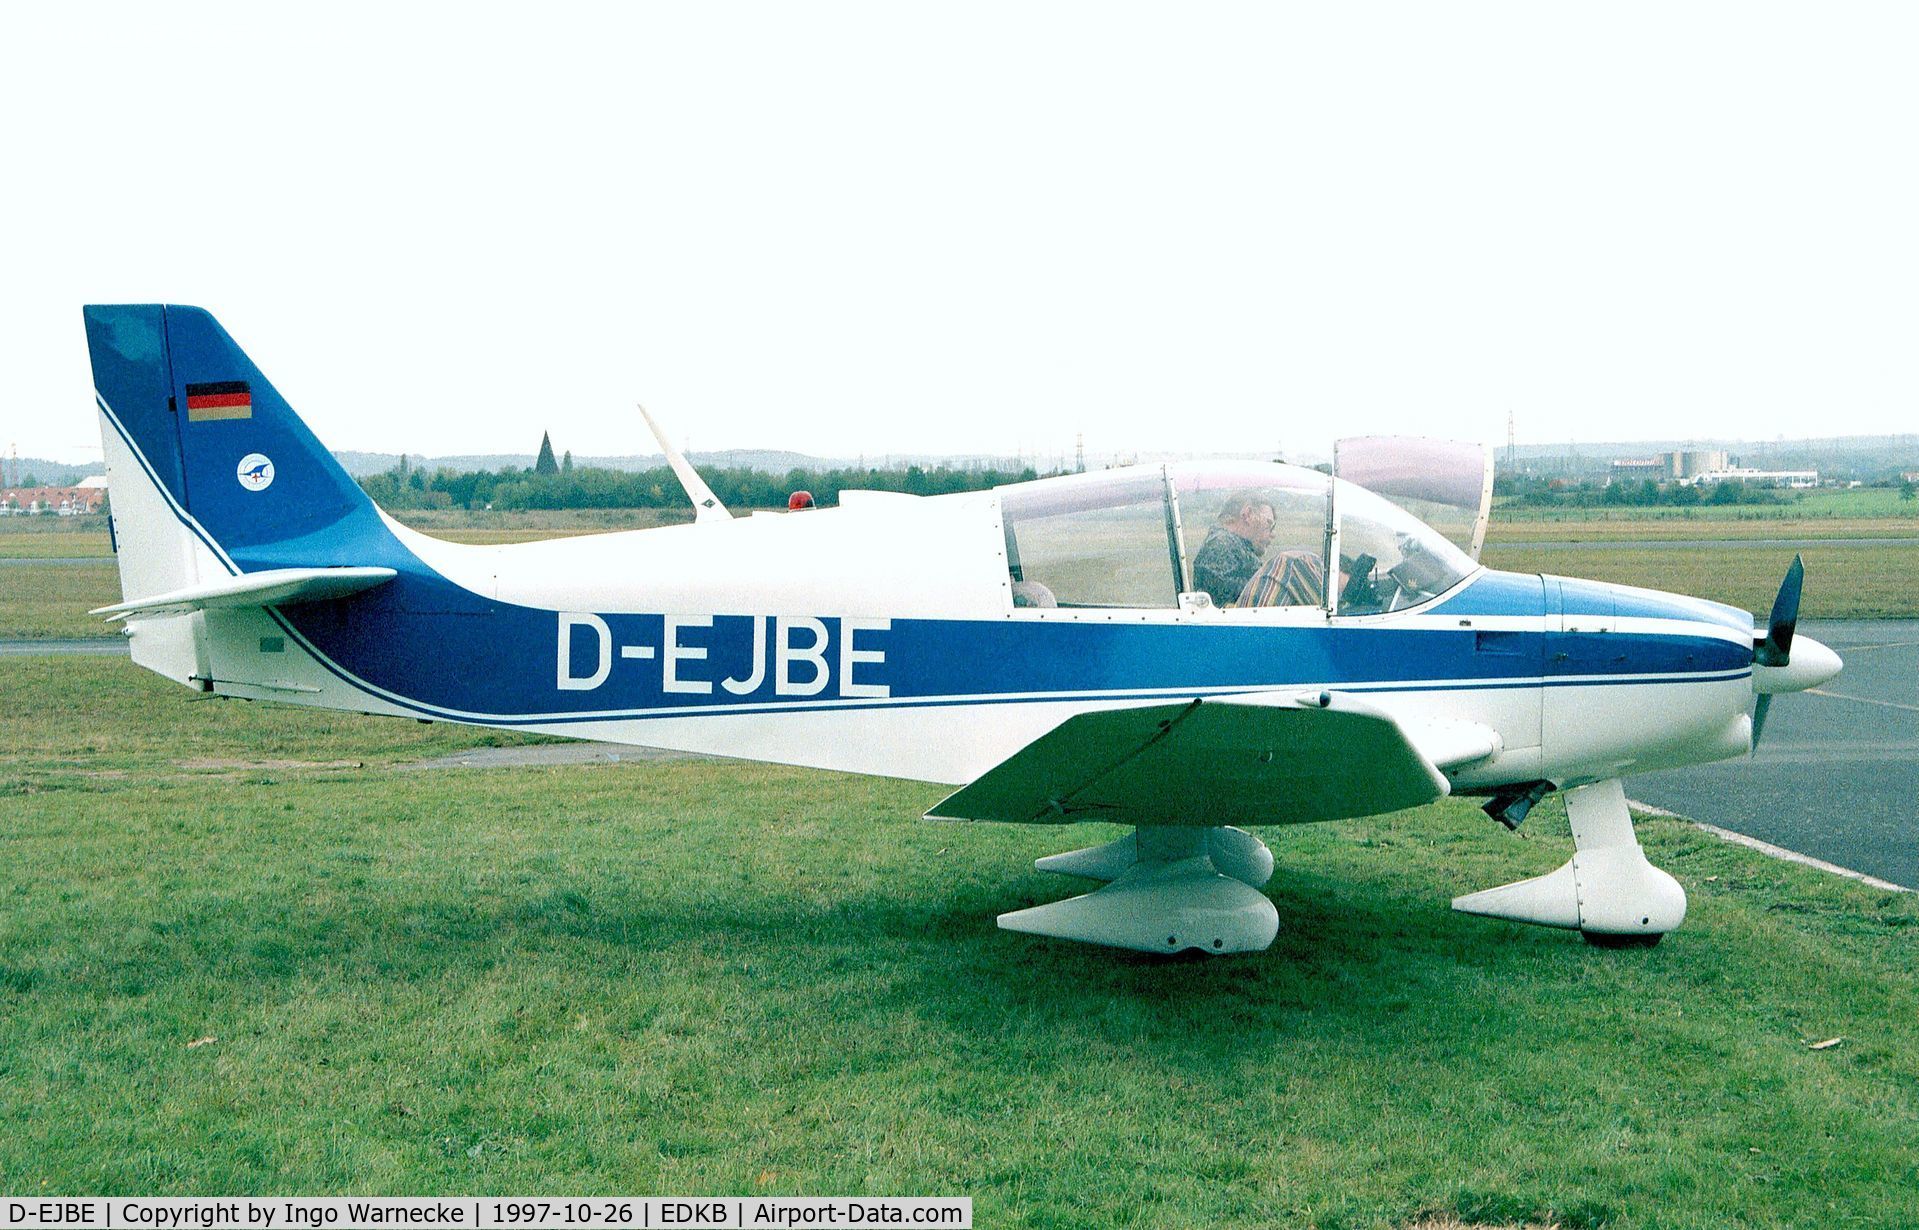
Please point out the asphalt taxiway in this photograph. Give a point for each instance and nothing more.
(1836, 774)
(80, 645)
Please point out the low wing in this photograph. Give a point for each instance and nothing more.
(273, 587)
(1260, 760)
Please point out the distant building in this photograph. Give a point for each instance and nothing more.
(60, 501)
(1632, 469)
(1564, 465)
(1757, 478)
(1680, 466)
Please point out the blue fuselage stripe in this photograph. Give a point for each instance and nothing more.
(448, 663)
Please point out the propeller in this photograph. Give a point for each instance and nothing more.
(1775, 667)
(1776, 648)
(1759, 718)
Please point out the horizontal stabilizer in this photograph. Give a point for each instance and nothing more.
(274, 587)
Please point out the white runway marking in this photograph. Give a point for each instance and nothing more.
(1864, 700)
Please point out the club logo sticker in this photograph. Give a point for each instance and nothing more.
(256, 471)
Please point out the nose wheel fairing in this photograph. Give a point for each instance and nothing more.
(1607, 891)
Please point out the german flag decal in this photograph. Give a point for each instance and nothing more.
(222, 399)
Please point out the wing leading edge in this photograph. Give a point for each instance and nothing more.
(1271, 759)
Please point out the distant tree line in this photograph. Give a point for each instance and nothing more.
(566, 485)
(1561, 493)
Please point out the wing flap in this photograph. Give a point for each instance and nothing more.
(1273, 759)
(273, 587)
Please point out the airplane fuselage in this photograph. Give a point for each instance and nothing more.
(782, 637)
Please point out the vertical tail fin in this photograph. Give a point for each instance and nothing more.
(224, 453)
(210, 472)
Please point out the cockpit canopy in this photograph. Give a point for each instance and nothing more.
(1235, 535)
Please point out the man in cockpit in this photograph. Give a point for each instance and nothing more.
(1230, 555)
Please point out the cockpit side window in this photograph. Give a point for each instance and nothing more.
(1097, 540)
(1254, 535)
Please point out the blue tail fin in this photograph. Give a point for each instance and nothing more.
(233, 460)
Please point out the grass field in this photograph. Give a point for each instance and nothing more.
(17, 541)
(41, 600)
(1657, 529)
(244, 949)
(1834, 503)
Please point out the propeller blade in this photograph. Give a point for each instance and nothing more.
(1759, 717)
(1776, 649)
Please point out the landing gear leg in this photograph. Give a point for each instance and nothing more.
(1607, 892)
(1169, 889)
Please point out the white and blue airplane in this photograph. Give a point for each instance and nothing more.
(1154, 646)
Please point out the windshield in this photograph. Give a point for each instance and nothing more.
(1388, 558)
(1231, 535)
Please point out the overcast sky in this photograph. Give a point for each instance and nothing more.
(979, 227)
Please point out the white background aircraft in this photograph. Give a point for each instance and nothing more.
(1186, 649)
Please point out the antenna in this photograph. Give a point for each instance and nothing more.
(1079, 453)
(1512, 462)
(706, 506)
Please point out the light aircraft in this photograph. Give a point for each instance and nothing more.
(1155, 646)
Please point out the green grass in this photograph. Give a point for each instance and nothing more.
(714, 978)
(1637, 529)
(52, 600)
(62, 536)
(1856, 502)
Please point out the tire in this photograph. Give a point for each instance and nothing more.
(1603, 940)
